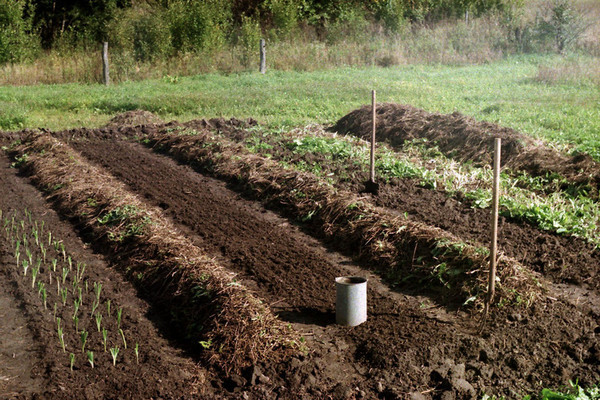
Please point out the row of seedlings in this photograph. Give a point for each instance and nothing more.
(87, 322)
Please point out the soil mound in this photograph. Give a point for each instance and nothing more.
(134, 118)
(466, 139)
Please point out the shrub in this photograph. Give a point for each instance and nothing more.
(199, 25)
(248, 40)
(560, 25)
(16, 43)
(143, 31)
(284, 15)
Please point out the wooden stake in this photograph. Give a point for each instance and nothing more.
(263, 56)
(105, 63)
(494, 238)
(374, 121)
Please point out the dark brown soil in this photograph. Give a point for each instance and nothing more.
(466, 139)
(410, 347)
(563, 259)
(163, 370)
(134, 118)
(293, 274)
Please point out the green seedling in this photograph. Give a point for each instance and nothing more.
(108, 307)
(97, 291)
(63, 296)
(70, 263)
(43, 250)
(123, 337)
(44, 297)
(114, 351)
(72, 360)
(76, 304)
(98, 321)
(54, 262)
(119, 315)
(65, 272)
(86, 287)
(76, 323)
(94, 307)
(104, 338)
(61, 338)
(64, 253)
(34, 272)
(55, 311)
(25, 267)
(137, 353)
(84, 336)
(49, 238)
(29, 255)
(42, 226)
(90, 357)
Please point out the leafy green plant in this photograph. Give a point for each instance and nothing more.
(84, 336)
(137, 353)
(104, 338)
(71, 360)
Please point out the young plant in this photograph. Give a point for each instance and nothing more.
(114, 351)
(61, 337)
(63, 296)
(137, 353)
(119, 315)
(90, 357)
(34, 272)
(25, 267)
(44, 297)
(80, 271)
(43, 250)
(123, 337)
(76, 304)
(54, 262)
(72, 360)
(76, 322)
(104, 338)
(70, 263)
(97, 291)
(98, 321)
(84, 336)
(108, 307)
(65, 272)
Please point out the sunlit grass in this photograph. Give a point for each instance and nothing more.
(505, 92)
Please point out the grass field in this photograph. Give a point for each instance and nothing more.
(507, 92)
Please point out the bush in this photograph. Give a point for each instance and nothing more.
(199, 25)
(16, 43)
(144, 32)
(248, 40)
(560, 25)
(284, 15)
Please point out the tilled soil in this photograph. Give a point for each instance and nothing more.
(469, 140)
(407, 345)
(163, 370)
(563, 259)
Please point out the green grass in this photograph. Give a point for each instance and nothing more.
(505, 92)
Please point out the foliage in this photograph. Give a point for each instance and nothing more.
(16, 41)
(560, 25)
(199, 25)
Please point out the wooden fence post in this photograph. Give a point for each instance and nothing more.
(494, 238)
(105, 63)
(263, 56)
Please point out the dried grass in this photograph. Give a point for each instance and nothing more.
(193, 287)
(397, 247)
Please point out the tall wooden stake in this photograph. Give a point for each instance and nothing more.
(494, 238)
(105, 63)
(263, 56)
(374, 121)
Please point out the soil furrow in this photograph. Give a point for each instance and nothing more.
(164, 371)
(401, 344)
